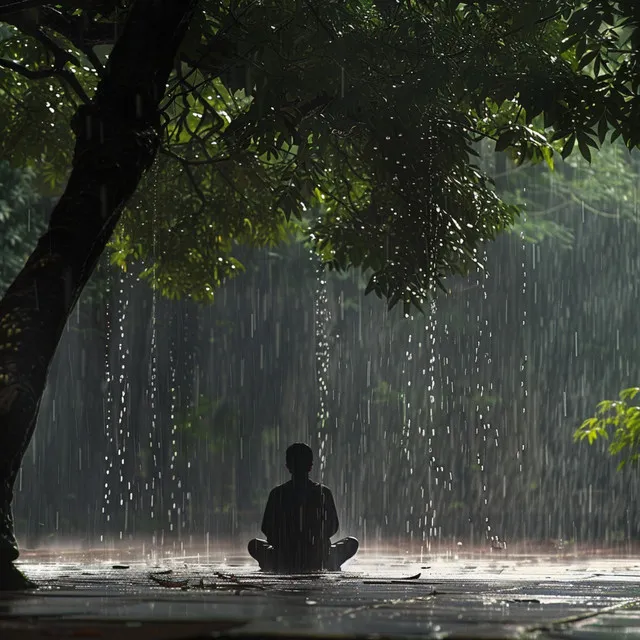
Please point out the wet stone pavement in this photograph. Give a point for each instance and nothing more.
(382, 596)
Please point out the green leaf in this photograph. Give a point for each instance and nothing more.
(547, 154)
(584, 149)
(507, 139)
(630, 393)
(603, 129)
(568, 146)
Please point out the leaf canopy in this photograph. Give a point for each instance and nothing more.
(355, 123)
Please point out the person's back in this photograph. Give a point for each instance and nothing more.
(299, 520)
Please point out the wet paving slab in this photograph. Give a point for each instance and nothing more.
(375, 596)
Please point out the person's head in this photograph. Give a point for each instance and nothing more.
(299, 459)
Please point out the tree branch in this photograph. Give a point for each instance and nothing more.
(187, 167)
(10, 7)
(82, 33)
(23, 71)
(39, 74)
(60, 56)
(195, 163)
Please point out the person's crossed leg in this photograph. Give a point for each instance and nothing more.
(341, 551)
(267, 556)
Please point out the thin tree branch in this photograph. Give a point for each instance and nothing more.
(186, 166)
(78, 32)
(40, 74)
(9, 7)
(82, 33)
(195, 163)
(23, 71)
(60, 55)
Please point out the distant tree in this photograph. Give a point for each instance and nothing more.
(359, 116)
(22, 219)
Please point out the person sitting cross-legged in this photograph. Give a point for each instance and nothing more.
(299, 520)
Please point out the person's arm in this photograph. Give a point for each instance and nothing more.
(269, 519)
(331, 523)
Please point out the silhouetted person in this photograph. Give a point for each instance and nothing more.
(299, 520)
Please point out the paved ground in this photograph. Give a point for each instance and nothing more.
(482, 596)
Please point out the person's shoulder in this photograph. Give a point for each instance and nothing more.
(280, 488)
(322, 488)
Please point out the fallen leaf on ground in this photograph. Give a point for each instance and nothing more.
(171, 584)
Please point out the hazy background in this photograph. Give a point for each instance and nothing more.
(171, 418)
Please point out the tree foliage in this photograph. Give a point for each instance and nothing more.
(619, 421)
(357, 121)
(607, 186)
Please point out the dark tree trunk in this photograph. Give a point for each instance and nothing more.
(117, 137)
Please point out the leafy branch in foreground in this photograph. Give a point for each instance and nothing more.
(618, 420)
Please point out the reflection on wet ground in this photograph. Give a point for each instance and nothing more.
(386, 595)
